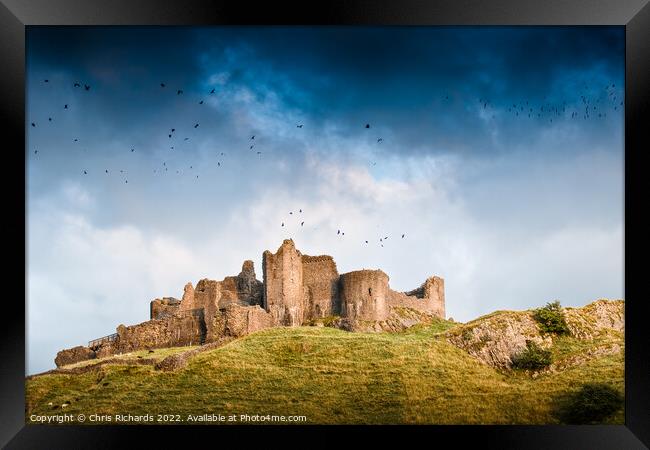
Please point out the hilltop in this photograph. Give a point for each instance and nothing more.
(439, 372)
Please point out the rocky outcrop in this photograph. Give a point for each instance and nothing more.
(73, 355)
(399, 319)
(595, 319)
(498, 337)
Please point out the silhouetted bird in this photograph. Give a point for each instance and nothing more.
(302, 223)
(179, 92)
(367, 125)
(253, 137)
(170, 135)
(402, 236)
(162, 84)
(300, 210)
(86, 87)
(379, 140)
(132, 150)
(366, 242)
(218, 164)
(251, 147)
(85, 173)
(107, 170)
(299, 126)
(282, 223)
(290, 212)
(77, 85)
(76, 140)
(187, 139)
(35, 152)
(173, 129)
(212, 91)
(47, 81)
(259, 153)
(50, 119)
(201, 102)
(33, 124)
(196, 125)
(65, 107)
(338, 232)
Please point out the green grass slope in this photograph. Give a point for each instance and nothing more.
(333, 376)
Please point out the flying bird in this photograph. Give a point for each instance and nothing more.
(302, 223)
(179, 92)
(201, 102)
(65, 106)
(212, 91)
(50, 119)
(33, 124)
(132, 150)
(86, 87)
(338, 232)
(299, 126)
(402, 236)
(47, 81)
(253, 137)
(290, 212)
(85, 173)
(367, 125)
(259, 153)
(77, 85)
(162, 85)
(379, 140)
(196, 125)
(282, 223)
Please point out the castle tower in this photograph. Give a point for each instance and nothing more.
(434, 293)
(283, 284)
(364, 295)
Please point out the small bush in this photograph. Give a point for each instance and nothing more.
(532, 358)
(551, 318)
(593, 403)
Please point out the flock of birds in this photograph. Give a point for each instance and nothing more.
(589, 108)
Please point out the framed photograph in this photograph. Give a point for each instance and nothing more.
(373, 214)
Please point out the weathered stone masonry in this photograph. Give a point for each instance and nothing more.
(297, 289)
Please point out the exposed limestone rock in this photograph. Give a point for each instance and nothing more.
(598, 317)
(73, 355)
(496, 338)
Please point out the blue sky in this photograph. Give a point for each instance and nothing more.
(497, 151)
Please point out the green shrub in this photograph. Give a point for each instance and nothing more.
(551, 318)
(593, 403)
(532, 358)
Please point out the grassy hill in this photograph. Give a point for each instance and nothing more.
(333, 376)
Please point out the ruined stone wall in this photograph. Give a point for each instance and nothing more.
(283, 284)
(243, 320)
(170, 332)
(188, 301)
(364, 295)
(434, 291)
(162, 307)
(429, 298)
(320, 280)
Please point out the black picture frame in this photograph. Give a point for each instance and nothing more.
(15, 15)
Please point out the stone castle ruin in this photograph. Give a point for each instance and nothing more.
(296, 290)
